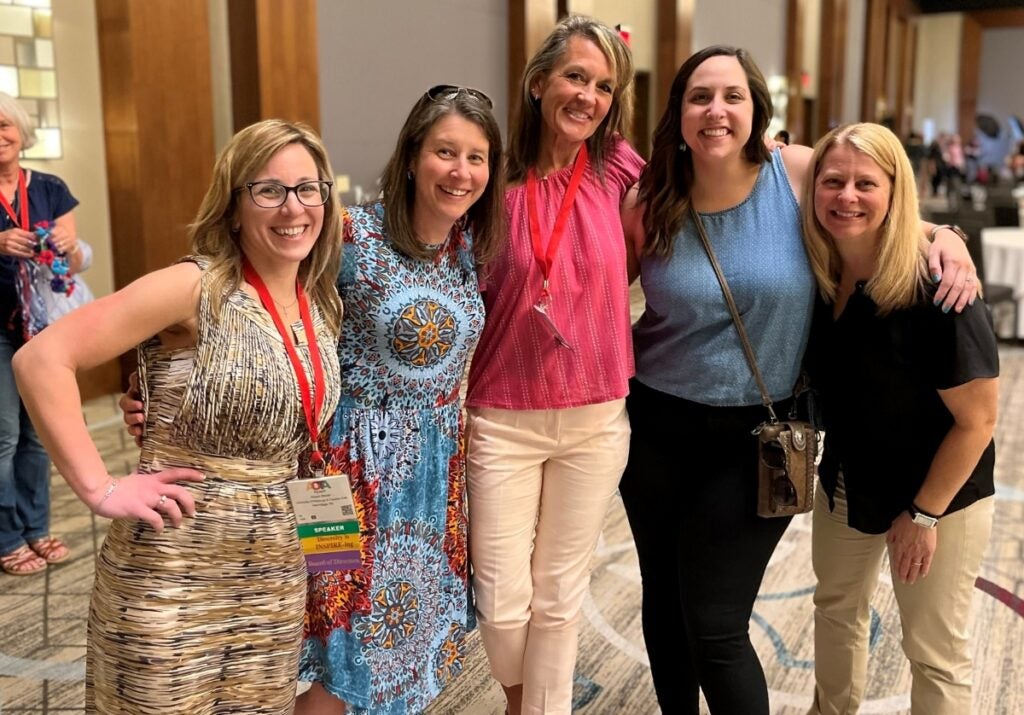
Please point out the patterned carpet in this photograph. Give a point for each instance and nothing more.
(42, 618)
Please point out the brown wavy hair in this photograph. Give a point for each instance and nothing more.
(666, 181)
(485, 218)
(211, 234)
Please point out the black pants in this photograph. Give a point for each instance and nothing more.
(690, 490)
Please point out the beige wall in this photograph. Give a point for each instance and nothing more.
(377, 58)
(83, 166)
(937, 71)
(1001, 82)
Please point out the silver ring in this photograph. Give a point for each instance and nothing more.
(160, 502)
(917, 563)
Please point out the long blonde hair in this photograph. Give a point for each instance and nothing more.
(211, 233)
(901, 268)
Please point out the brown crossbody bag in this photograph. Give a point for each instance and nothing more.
(786, 449)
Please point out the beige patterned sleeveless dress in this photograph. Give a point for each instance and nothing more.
(207, 619)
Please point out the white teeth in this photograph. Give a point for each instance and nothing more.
(715, 132)
(454, 192)
(583, 117)
(847, 214)
(292, 231)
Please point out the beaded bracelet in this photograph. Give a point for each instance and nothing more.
(110, 490)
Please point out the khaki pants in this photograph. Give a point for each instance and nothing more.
(540, 483)
(934, 612)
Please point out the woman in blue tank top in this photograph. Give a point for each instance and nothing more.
(703, 549)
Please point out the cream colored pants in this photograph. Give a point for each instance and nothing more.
(934, 611)
(540, 483)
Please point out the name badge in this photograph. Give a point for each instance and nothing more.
(326, 518)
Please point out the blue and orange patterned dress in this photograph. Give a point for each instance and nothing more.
(387, 638)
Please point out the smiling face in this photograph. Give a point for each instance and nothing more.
(851, 195)
(451, 172)
(286, 233)
(717, 111)
(576, 94)
(10, 141)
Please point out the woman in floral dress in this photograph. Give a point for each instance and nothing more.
(387, 637)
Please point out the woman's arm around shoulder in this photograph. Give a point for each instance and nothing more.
(633, 229)
(797, 160)
(951, 266)
(161, 302)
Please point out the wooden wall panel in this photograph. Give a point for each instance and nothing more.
(831, 66)
(905, 88)
(1006, 17)
(873, 103)
(796, 12)
(529, 22)
(674, 44)
(274, 61)
(158, 119)
(970, 74)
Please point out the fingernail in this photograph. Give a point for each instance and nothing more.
(945, 308)
(936, 277)
(971, 301)
(936, 301)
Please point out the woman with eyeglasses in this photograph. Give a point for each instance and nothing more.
(207, 616)
(880, 354)
(547, 428)
(690, 487)
(387, 637)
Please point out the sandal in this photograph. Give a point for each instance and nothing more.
(23, 561)
(50, 548)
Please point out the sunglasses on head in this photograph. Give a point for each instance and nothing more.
(445, 92)
(783, 492)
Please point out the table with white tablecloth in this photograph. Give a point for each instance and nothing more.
(1003, 249)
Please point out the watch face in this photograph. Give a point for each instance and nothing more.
(926, 521)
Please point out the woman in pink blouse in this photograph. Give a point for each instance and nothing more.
(547, 431)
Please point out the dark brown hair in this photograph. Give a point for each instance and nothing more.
(485, 218)
(667, 179)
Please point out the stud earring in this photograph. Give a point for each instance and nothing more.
(682, 146)
(409, 175)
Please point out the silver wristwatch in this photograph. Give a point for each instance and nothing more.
(921, 518)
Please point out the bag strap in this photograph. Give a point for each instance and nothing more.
(748, 351)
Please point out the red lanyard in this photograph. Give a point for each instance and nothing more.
(22, 203)
(312, 412)
(546, 260)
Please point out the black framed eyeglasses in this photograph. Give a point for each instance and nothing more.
(271, 194)
(783, 492)
(443, 92)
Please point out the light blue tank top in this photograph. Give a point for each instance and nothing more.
(685, 341)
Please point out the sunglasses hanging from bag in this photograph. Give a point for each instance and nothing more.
(786, 449)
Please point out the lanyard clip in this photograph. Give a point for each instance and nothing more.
(316, 464)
